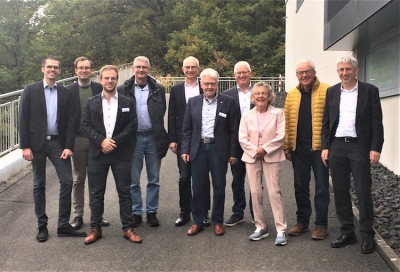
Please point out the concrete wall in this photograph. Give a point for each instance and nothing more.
(304, 40)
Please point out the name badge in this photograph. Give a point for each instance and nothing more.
(222, 114)
(274, 112)
(125, 109)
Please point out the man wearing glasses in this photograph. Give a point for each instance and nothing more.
(81, 90)
(304, 109)
(46, 130)
(152, 138)
(179, 97)
(241, 94)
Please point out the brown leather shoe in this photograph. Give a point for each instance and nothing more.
(298, 229)
(94, 235)
(219, 229)
(194, 229)
(132, 236)
(319, 233)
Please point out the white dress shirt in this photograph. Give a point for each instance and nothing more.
(347, 113)
(110, 110)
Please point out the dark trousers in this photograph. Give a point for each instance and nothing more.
(345, 159)
(303, 160)
(207, 159)
(52, 150)
(97, 175)
(185, 187)
(239, 194)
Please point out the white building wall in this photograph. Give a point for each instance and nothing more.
(304, 40)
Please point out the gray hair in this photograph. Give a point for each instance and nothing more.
(209, 72)
(242, 63)
(306, 60)
(189, 58)
(141, 58)
(348, 59)
(265, 86)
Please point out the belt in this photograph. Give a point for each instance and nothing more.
(207, 141)
(52, 137)
(347, 139)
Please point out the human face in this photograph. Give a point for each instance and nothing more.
(260, 97)
(243, 76)
(140, 70)
(83, 70)
(209, 86)
(305, 74)
(190, 69)
(51, 70)
(109, 80)
(347, 73)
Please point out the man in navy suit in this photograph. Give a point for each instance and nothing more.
(241, 94)
(209, 142)
(352, 139)
(46, 130)
(109, 121)
(81, 90)
(179, 96)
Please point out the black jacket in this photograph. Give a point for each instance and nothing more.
(124, 132)
(156, 105)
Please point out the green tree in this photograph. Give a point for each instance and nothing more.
(18, 29)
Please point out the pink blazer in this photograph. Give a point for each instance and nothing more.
(273, 135)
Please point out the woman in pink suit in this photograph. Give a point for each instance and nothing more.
(261, 135)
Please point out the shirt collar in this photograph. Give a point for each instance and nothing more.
(194, 85)
(85, 86)
(115, 96)
(355, 89)
(248, 89)
(212, 100)
(47, 85)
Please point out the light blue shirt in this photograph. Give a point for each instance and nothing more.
(208, 114)
(50, 95)
(141, 95)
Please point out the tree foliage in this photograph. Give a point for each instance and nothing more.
(219, 33)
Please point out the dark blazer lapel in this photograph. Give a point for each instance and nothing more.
(336, 98)
(361, 97)
(220, 106)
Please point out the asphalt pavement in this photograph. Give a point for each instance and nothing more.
(165, 248)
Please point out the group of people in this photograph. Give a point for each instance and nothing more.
(100, 125)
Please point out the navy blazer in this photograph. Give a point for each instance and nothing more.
(225, 128)
(369, 127)
(33, 117)
(234, 93)
(124, 134)
(176, 112)
(76, 100)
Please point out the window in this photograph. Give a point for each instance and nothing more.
(382, 68)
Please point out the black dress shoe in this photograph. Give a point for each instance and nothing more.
(344, 240)
(137, 220)
(182, 220)
(152, 220)
(104, 223)
(69, 232)
(368, 245)
(43, 234)
(77, 223)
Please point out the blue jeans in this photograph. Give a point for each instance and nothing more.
(239, 193)
(52, 150)
(207, 158)
(97, 175)
(145, 149)
(303, 159)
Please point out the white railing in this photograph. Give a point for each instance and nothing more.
(9, 139)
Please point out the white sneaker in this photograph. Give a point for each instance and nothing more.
(281, 239)
(259, 234)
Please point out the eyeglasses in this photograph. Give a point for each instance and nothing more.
(52, 67)
(110, 78)
(80, 68)
(260, 94)
(190, 67)
(242, 73)
(142, 67)
(212, 84)
(306, 72)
